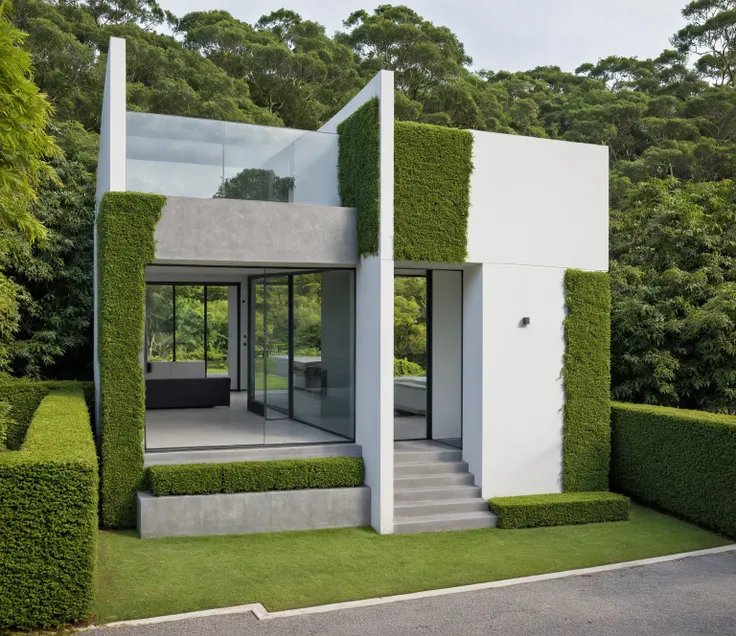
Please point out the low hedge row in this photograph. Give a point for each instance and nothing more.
(291, 474)
(24, 396)
(530, 511)
(48, 518)
(681, 461)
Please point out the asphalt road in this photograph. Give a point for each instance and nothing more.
(690, 597)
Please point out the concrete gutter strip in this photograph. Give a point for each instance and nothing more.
(261, 613)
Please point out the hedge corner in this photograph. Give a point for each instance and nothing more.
(48, 518)
(126, 244)
(587, 380)
(358, 172)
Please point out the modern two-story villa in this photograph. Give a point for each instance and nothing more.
(247, 313)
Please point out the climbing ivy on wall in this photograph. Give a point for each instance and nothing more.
(587, 378)
(432, 167)
(126, 244)
(358, 172)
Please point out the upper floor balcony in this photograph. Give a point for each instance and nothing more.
(201, 158)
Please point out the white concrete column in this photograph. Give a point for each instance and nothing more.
(476, 374)
(111, 175)
(374, 299)
(232, 336)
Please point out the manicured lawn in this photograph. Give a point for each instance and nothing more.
(140, 578)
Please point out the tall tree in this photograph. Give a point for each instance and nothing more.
(711, 35)
(25, 145)
(396, 38)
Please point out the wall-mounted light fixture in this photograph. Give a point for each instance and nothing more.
(525, 321)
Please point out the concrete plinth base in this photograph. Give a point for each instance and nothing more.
(244, 513)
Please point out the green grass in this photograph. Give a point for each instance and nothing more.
(140, 578)
(275, 382)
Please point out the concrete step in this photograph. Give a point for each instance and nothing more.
(431, 468)
(408, 509)
(401, 482)
(445, 522)
(425, 457)
(435, 493)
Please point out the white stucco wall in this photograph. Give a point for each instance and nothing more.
(523, 394)
(110, 171)
(374, 287)
(538, 202)
(538, 207)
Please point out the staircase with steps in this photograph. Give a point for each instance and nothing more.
(434, 492)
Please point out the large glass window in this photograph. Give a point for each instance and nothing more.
(302, 357)
(189, 342)
(218, 321)
(191, 323)
(160, 323)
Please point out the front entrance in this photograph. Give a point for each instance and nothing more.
(301, 348)
(428, 356)
(412, 369)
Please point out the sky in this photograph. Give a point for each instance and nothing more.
(511, 35)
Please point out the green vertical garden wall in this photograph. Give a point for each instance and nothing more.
(126, 244)
(432, 167)
(358, 172)
(587, 379)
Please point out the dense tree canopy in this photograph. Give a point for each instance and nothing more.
(670, 124)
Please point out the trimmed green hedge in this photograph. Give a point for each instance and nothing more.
(530, 511)
(291, 474)
(126, 244)
(432, 166)
(48, 518)
(4, 420)
(587, 379)
(681, 461)
(358, 172)
(24, 396)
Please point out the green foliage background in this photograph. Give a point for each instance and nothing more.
(669, 121)
(126, 225)
(587, 380)
(432, 167)
(679, 460)
(48, 518)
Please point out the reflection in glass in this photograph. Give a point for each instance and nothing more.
(258, 341)
(159, 323)
(323, 370)
(410, 357)
(188, 157)
(276, 328)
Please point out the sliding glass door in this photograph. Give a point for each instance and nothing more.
(302, 344)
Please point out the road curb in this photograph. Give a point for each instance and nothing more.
(261, 613)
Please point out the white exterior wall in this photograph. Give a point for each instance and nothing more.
(538, 207)
(538, 202)
(374, 348)
(110, 170)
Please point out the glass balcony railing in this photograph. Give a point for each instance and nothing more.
(187, 157)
